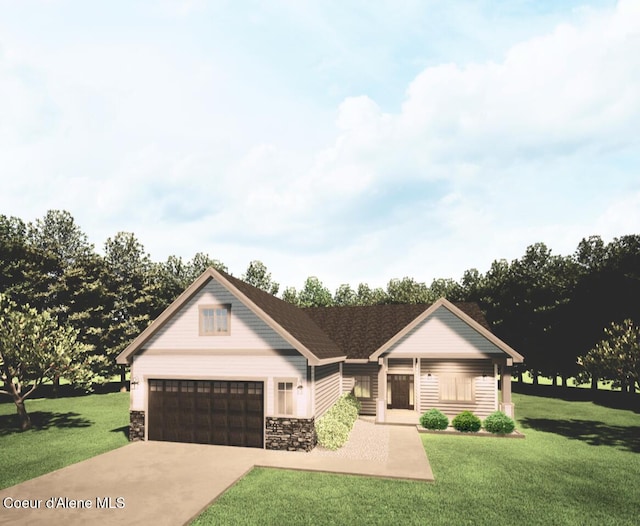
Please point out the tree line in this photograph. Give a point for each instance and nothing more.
(553, 309)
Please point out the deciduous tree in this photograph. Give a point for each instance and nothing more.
(258, 276)
(34, 348)
(314, 294)
(616, 357)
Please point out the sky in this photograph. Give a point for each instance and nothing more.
(349, 140)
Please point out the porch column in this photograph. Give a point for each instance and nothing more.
(381, 401)
(505, 380)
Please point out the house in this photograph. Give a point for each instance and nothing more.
(227, 363)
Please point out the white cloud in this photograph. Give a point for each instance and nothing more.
(195, 146)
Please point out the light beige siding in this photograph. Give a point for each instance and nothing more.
(247, 330)
(349, 371)
(259, 368)
(484, 385)
(328, 387)
(444, 334)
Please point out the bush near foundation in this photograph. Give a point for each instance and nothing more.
(499, 423)
(467, 422)
(434, 419)
(334, 426)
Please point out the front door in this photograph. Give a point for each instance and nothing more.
(401, 389)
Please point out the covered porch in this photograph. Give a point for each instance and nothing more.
(419, 383)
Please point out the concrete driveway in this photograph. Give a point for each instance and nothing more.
(165, 483)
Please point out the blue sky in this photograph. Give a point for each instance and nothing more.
(354, 141)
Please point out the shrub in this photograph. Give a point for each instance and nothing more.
(499, 423)
(332, 433)
(467, 422)
(334, 426)
(434, 419)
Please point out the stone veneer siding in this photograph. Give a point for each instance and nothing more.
(290, 434)
(136, 425)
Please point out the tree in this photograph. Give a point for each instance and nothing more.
(26, 273)
(616, 357)
(344, 295)
(445, 288)
(133, 292)
(290, 295)
(368, 296)
(202, 262)
(314, 294)
(407, 290)
(258, 276)
(33, 348)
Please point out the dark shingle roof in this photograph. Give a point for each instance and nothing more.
(361, 330)
(330, 332)
(292, 319)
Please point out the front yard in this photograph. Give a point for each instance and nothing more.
(66, 430)
(579, 464)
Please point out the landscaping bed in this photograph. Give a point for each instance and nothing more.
(482, 433)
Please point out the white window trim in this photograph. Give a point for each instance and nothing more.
(276, 406)
(202, 308)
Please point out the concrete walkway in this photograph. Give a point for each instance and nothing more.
(164, 483)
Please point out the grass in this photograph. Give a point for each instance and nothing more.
(66, 430)
(579, 464)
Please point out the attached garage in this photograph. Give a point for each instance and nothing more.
(228, 413)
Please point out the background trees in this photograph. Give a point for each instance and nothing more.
(549, 307)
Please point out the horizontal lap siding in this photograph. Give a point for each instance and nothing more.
(444, 333)
(247, 330)
(261, 368)
(328, 386)
(485, 388)
(349, 370)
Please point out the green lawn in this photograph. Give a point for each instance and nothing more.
(66, 431)
(580, 464)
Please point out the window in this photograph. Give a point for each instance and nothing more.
(219, 387)
(362, 387)
(214, 320)
(456, 389)
(285, 398)
(203, 387)
(236, 388)
(187, 386)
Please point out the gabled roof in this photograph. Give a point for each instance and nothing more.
(286, 319)
(444, 303)
(361, 330)
(325, 334)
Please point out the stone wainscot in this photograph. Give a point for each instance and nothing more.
(290, 434)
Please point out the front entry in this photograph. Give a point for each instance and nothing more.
(400, 391)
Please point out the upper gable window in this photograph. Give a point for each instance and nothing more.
(215, 320)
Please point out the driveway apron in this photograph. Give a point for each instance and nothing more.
(166, 483)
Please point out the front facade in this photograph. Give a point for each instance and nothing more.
(229, 364)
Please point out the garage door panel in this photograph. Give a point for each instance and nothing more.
(207, 412)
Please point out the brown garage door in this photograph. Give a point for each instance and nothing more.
(206, 412)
